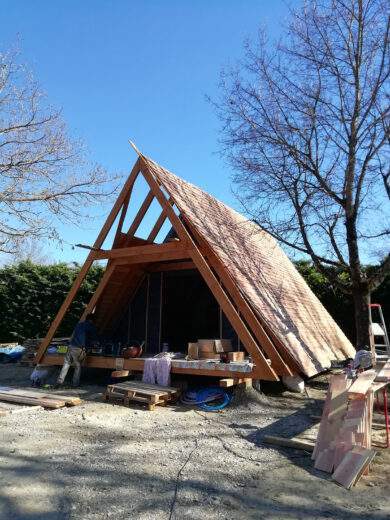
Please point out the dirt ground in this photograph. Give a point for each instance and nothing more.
(99, 460)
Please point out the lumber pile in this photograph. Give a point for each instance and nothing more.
(31, 345)
(343, 445)
(151, 395)
(36, 398)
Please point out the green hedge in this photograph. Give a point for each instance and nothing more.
(30, 296)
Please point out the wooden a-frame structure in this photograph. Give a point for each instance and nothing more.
(266, 347)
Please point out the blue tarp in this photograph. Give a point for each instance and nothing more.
(11, 353)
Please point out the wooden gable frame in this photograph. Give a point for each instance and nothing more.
(131, 253)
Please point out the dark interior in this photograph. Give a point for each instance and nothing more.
(173, 307)
(189, 310)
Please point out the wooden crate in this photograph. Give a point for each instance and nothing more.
(151, 395)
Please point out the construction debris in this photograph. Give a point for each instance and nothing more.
(343, 445)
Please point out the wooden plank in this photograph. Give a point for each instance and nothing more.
(362, 384)
(141, 213)
(156, 250)
(130, 393)
(352, 466)
(99, 290)
(181, 253)
(159, 223)
(378, 386)
(120, 373)
(375, 425)
(324, 460)
(226, 383)
(135, 389)
(39, 394)
(383, 375)
(88, 262)
(140, 384)
(223, 300)
(46, 403)
(323, 453)
(295, 443)
(122, 217)
(137, 364)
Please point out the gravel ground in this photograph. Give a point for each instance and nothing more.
(99, 460)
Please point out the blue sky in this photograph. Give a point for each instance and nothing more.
(137, 70)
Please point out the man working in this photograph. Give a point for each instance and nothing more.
(84, 333)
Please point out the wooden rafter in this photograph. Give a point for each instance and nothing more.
(141, 213)
(88, 262)
(100, 288)
(159, 224)
(264, 370)
(122, 218)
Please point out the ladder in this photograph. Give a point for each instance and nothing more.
(378, 330)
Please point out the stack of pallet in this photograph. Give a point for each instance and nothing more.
(343, 445)
(36, 398)
(151, 395)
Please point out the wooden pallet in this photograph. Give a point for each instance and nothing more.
(151, 395)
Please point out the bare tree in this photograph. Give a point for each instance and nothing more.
(44, 177)
(33, 251)
(306, 127)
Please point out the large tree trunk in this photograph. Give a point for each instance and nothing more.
(361, 300)
(360, 290)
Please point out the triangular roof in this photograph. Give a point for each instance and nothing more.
(263, 273)
(268, 303)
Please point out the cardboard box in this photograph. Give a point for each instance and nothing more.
(223, 345)
(236, 356)
(193, 350)
(206, 345)
(209, 355)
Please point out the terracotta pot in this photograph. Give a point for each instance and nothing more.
(134, 351)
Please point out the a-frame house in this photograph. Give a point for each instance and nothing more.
(278, 320)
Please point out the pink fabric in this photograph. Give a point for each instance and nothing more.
(157, 370)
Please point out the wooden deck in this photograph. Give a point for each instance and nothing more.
(137, 365)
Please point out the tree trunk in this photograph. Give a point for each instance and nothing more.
(361, 301)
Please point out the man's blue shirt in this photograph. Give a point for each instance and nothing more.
(83, 334)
